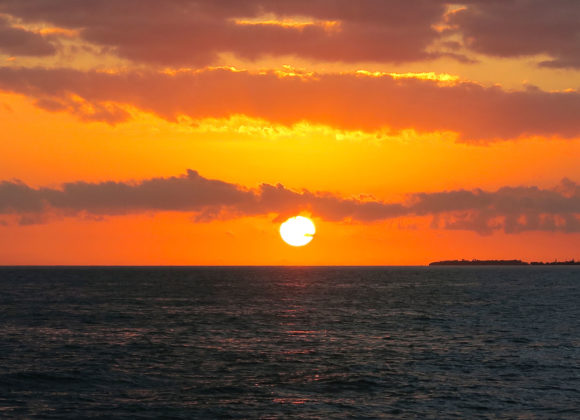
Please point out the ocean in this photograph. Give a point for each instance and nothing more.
(283, 342)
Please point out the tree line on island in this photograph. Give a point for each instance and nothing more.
(503, 262)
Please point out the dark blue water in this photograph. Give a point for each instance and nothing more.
(446, 342)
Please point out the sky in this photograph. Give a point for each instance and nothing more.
(183, 132)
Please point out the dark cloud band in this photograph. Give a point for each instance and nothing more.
(195, 32)
(511, 209)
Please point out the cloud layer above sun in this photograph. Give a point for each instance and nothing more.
(333, 30)
(166, 48)
(349, 101)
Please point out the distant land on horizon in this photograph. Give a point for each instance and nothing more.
(502, 262)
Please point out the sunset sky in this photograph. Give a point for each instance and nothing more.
(185, 131)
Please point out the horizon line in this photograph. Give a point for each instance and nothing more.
(5, 266)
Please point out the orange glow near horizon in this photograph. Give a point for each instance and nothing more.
(406, 137)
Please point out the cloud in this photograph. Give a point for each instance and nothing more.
(513, 28)
(190, 192)
(20, 42)
(511, 209)
(194, 32)
(350, 101)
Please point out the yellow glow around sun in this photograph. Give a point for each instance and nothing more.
(297, 231)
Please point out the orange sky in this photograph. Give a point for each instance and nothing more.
(184, 132)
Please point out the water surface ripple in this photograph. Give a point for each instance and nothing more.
(271, 342)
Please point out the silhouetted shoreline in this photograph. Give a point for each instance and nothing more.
(502, 262)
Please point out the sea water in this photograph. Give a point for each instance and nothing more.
(279, 342)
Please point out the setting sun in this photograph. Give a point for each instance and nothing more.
(297, 231)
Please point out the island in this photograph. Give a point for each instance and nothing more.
(501, 262)
(570, 262)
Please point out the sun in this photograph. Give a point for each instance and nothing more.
(297, 231)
